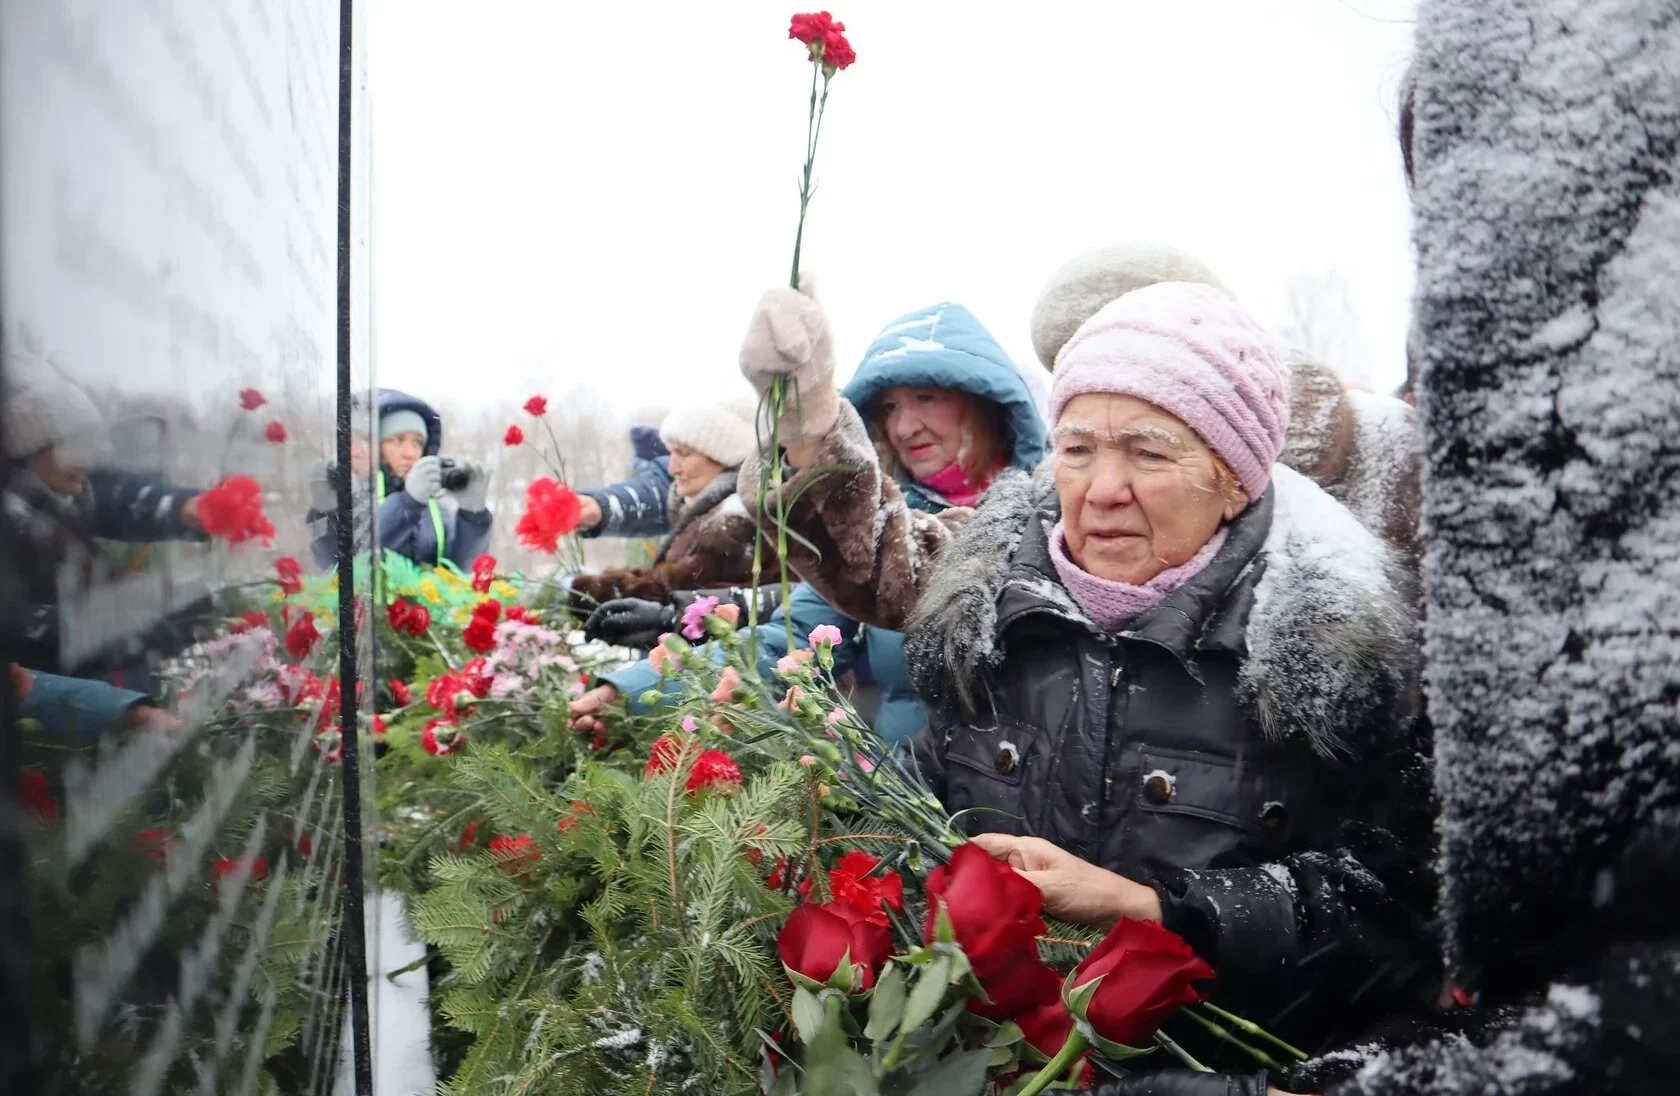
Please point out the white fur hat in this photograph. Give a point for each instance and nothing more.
(43, 407)
(722, 431)
(1092, 278)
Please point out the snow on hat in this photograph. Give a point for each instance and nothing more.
(1092, 278)
(43, 407)
(401, 421)
(722, 431)
(1193, 352)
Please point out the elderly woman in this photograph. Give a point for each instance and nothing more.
(948, 412)
(1169, 678)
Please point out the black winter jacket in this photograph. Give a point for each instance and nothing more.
(1246, 749)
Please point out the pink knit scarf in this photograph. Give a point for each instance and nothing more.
(954, 486)
(1113, 606)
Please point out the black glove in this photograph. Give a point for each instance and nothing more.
(630, 622)
(1184, 1082)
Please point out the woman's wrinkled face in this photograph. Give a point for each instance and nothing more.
(59, 471)
(923, 426)
(692, 470)
(1140, 491)
(400, 451)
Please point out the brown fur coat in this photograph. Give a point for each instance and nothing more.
(711, 546)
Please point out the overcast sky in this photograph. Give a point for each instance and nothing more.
(570, 193)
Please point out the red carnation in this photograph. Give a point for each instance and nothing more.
(483, 573)
(302, 636)
(523, 615)
(288, 572)
(850, 882)
(537, 405)
(716, 770)
(306, 845)
(400, 694)
(517, 855)
(379, 727)
(154, 843)
(251, 399)
(227, 866)
(1138, 976)
(469, 836)
(551, 512)
(817, 939)
(36, 794)
(573, 816)
(514, 436)
(250, 622)
(419, 621)
(275, 432)
(489, 609)
(477, 676)
(233, 510)
(397, 613)
(441, 737)
(665, 755)
(825, 37)
(480, 634)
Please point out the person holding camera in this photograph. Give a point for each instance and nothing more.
(430, 508)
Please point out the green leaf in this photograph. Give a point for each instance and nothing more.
(833, 1068)
(929, 991)
(887, 1007)
(1006, 1035)
(962, 1074)
(808, 1015)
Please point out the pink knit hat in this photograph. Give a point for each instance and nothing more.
(1194, 353)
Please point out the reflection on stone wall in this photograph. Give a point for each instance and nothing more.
(168, 274)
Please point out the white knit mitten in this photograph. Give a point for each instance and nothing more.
(789, 337)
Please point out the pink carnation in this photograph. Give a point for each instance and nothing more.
(825, 633)
(694, 617)
(728, 683)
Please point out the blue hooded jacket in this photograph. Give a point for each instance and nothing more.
(943, 346)
(407, 527)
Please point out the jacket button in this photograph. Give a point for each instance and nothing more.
(1158, 787)
(1274, 816)
(1008, 759)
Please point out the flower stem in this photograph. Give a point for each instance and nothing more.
(1179, 1052)
(1251, 1028)
(1075, 1046)
(1224, 1036)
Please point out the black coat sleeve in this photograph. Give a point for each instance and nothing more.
(132, 507)
(1184, 1082)
(1352, 917)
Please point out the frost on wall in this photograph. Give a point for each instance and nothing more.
(1549, 309)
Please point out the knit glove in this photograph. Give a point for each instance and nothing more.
(424, 480)
(789, 337)
(476, 493)
(1184, 1082)
(630, 622)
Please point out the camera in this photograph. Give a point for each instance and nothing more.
(454, 476)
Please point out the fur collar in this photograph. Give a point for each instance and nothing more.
(689, 511)
(1326, 633)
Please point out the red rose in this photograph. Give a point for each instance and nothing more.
(233, 511)
(480, 635)
(397, 613)
(1026, 984)
(537, 405)
(400, 694)
(514, 436)
(250, 399)
(441, 737)
(517, 855)
(250, 622)
(302, 636)
(716, 770)
(289, 573)
(469, 836)
(484, 573)
(1138, 976)
(35, 792)
(816, 939)
(1046, 1027)
(275, 432)
(551, 512)
(227, 866)
(993, 909)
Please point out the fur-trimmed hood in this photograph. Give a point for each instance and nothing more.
(1314, 604)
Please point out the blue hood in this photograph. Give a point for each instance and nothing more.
(944, 346)
(389, 399)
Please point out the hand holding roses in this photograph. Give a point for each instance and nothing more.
(1074, 890)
